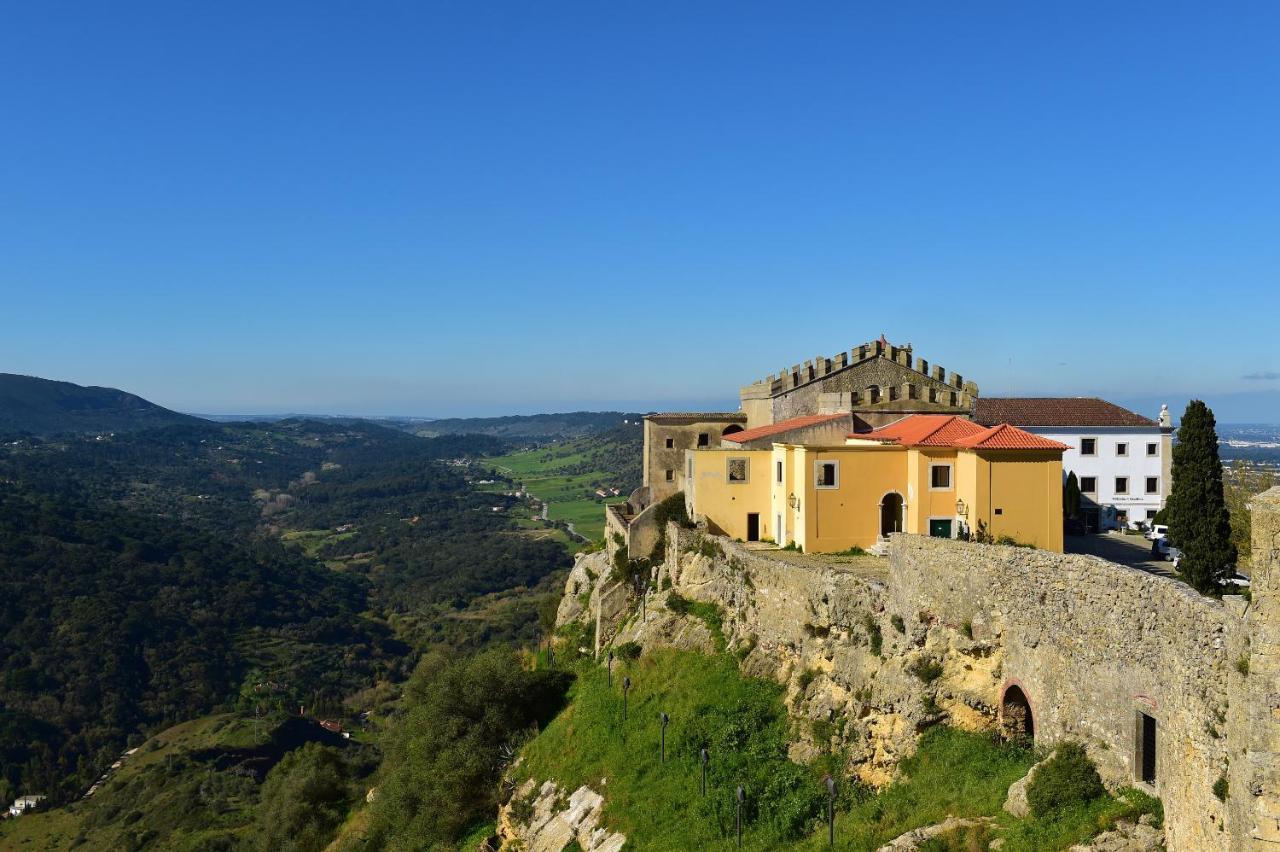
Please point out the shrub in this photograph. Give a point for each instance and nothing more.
(1242, 666)
(898, 624)
(926, 669)
(627, 651)
(1221, 787)
(677, 603)
(874, 636)
(806, 678)
(1066, 779)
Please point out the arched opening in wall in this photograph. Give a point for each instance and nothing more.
(1016, 722)
(731, 429)
(890, 513)
(873, 394)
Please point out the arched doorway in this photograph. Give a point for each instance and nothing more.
(890, 513)
(1017, 723)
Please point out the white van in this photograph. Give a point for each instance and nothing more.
(1158, 532)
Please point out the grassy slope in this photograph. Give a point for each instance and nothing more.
(659, 806)
(186, 808)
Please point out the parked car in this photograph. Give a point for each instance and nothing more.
(1157, 531)
(1161, 549)
(1238, 580)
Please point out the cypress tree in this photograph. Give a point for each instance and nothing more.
(1199, 524)
(1071, 496)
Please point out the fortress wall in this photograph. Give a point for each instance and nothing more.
(1092, 643)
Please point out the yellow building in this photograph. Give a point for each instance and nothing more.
(796, 482)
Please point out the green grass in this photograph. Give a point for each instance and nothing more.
(660, 806)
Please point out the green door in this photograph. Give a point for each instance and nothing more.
(940, 529)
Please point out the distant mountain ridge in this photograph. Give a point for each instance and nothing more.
(48, 407)
(562, 426)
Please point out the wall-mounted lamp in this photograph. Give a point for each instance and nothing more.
(792, 501)
(961, 508)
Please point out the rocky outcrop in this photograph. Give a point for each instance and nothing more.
(1141, 836)
(914, 838)
(545, 818)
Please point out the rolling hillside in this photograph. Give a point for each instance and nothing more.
(46, 407)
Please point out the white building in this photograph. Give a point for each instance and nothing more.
(22, 804)
(1122, 460)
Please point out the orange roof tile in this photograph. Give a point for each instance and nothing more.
(1006, 437)
(940, 430)
(779, 428)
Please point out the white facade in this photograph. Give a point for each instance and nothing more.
(1124, 471)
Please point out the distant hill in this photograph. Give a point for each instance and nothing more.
(46, 407)
(540, 427)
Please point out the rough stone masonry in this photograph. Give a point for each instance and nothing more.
(1100, 652)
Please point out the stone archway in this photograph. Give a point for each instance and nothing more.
(1017, 721)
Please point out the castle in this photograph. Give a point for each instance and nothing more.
(840, 452)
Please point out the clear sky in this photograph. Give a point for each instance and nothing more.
(478, 208)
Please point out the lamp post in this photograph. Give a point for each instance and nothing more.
(626, 685)
(663, 753)
(831, 812)
(609, 668)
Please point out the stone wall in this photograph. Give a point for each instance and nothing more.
(1092, 644)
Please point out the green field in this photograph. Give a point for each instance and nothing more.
(566, 476)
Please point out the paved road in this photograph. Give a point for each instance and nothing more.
(1131, 550)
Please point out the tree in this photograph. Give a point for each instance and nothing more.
(1071, 496)
(1199, 523)
(304, 800)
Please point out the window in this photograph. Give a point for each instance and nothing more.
(893, 392)
(939, 477)
(826, 474)
(704, 439)
(1153, 449)
(671, 476)
(777, 471)
(1088, 446)
(1145, 748)
(933, 394)
(689, 469)
(1088, 484)
(955, 400)
(873, 394)
(1151, 514)
(738, 471)
(671, 442)
(1122, 485)
(1153, 485)
(1122, 449)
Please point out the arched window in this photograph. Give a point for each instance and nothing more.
(873, 394)
(731, 429)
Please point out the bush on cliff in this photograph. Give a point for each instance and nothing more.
(1066, 779)
(444, 760)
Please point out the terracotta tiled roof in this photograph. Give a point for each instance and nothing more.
(1042, 411)
(939, 430)
(1006, 437)
(700, 416)
(924, 430)
(784, 426)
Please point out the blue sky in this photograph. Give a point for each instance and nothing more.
(462, 208)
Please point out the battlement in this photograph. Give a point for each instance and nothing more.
(815, 369)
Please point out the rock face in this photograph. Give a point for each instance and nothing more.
(545, 819)
(1065, 647)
